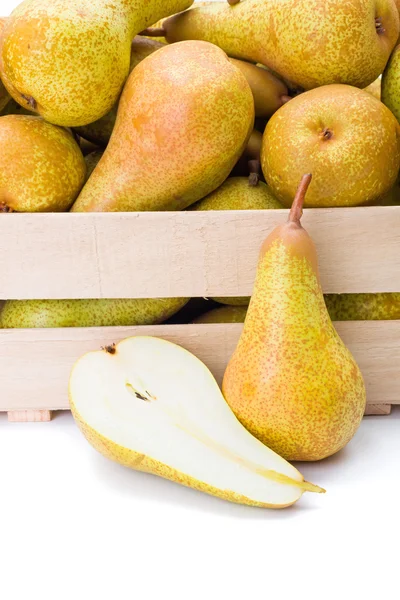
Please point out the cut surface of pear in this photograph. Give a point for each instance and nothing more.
(153, 406)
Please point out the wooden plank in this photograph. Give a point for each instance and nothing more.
(210, 253)
(378, 409)
(29, 416)
(36, 363)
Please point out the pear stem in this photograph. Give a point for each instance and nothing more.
(297, 207)
(154, 32)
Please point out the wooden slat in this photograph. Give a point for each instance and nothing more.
(36, 363)
(29, 416)
(210, 253)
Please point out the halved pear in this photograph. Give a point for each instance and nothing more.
(153, 406)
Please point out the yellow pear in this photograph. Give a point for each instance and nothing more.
(98, 312)
(238, 193)
(183, 121)
(223, 314)
(344, 136)
(4, 95)
(150, 405)
(291, 381)
(68, 60)
(42, 168)
(308, 42)
(100, 131)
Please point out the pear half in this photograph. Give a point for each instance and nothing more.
(153, 406)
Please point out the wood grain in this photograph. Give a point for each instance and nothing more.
(36, 363)
(29, 416)
(210, 253)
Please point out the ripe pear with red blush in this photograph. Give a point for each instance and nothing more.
(291, 380)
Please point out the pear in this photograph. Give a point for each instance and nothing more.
(100, 131)
(224, 314)
(308, 42)
(150, 405)
(249, 164)
(269, 92)
(183, 121)
(344, 136)
(374, 88)
(42, 168)
(237, 193)
(233, 300)
(291, 381)
(111, 312)
(390, 93)
(69, 59)
(4, 95)
(92, 160)
(392, 197)
(363, 307)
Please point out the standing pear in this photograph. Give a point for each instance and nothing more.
(291, 380)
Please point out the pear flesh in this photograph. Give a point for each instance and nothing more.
(153, 406)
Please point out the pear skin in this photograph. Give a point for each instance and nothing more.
(42, 168)
(100, 131)
(92, 160)
(390, 93)
(347, 138)
(224, 314)
(374, 88)
(67, 60)
(100, 312)
(363, 307)
(172, 143)
(308, 42)
(4, 95)
(291, 381)
(269, 92)
(237, 193)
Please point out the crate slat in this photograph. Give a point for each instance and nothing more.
(210, 253)
(36, 363)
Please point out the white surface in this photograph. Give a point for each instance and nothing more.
(77, 526)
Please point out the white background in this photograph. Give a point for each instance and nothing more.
(76, 526)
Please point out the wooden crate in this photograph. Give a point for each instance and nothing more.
(142, 255)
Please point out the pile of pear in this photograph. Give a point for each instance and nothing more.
(170, 105)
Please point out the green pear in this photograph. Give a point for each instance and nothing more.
(28, 314)
(308, 42)
(183, 121)
(363, 307)
(42, 168)
(390, 93)
(344, 136)
(69, 59)
(100, 131)
(237, 193)
(224, 314)
(152, 406)
(92, 160)
(291, 381)
(233, 300)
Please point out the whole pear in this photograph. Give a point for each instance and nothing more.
(68, 60)
(42, 168)
(363, 307)
(184, 118)
(390, 93)
(308, 42)
(100, 131)
(374, 88)
(291, 381)
(30, 314)
(347, 138)
(237, 193)
(223, 314)
(4, 95)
